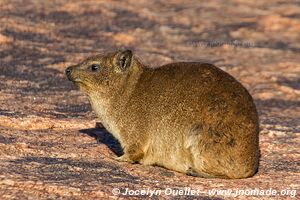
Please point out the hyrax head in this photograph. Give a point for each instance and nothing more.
(103, 73)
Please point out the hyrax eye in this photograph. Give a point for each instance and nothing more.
(94, 67)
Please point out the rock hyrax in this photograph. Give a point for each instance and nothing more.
(189, 117)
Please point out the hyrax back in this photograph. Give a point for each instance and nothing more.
(189, 117)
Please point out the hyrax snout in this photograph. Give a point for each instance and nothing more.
(189, 117)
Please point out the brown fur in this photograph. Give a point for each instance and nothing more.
(189, 117)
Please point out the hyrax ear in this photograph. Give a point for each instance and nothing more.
(122, 59)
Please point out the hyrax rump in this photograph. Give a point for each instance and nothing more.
(189, 117)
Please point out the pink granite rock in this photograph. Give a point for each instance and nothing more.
(49, 148)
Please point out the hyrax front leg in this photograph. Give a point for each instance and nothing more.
(133, 153)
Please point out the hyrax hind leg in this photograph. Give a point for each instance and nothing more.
(221, 150)
(210, 148)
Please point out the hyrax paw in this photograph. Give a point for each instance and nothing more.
(123, 158)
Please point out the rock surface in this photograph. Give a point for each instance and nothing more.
(49, 148)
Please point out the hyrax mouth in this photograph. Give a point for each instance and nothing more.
(70, 75)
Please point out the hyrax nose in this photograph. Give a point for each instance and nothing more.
(68, 71)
